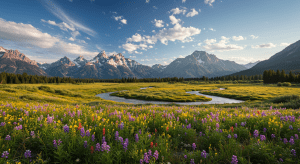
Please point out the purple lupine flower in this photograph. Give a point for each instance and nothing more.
(200, 133)
(140, 131)
(280, 159)
(223, 119)
(235, 125)
(149, 136)
(117, 135)
(265, 130)
(20, 119)
(185, 156)
(121, 140)
(93, 137)
(59, 142)
(5, 154)
(235, 136)
(194, 146)
(66, 128)
(125, 144)
(97, 147)
(27, 154)
(155, 155)
(184, 133)
(192, 161)
(149, 153)
(272, 135)
(293, 152)
(291, 127)
(285, 140)
(8, 138)
(85, 144)
(296, 136)
(15, 123)
(2, 123)
(262, 137)
(82, 133)
(217, 125)
(203, 154)
(234, 159)
(141, 161)
(103, 139)
(255, 133)
(121, 126)
(54, 144)
(292, 142)
(41, 125)
(229, 136)
(32, 133)
(87, 133)
(136, 138)
(146, 158)
(220, 130)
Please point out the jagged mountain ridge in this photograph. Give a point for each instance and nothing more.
(12, 61)
(250, 65)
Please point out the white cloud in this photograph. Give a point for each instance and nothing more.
(117, 18)
(147, 1)
(155, 7)
(132, 57)
(153, 30)
(182, 46)
(267, 45)
(212, 45)
(136, 52)
(180, 56)
(174, 20)
(211, 29)
(111, 53)
(199, 44)
(210, 2)
(25, 34)
(88, 38)
(285, 44)
(253, 37)
(74, 34)
(59, 13)
(71, 39)
(183, 34)
(63, 26)
(192, 13)
(243, 60)
(124, 21)
(183, 1)
(81, 41)
(158, 23)
(237, 38)
(177, 11)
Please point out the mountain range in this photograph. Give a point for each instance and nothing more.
(288, 59)
(102, 66)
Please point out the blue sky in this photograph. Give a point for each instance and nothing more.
(149, 31)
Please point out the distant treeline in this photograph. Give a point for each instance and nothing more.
(270, 76)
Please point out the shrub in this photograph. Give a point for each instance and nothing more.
(46, 88)
(287, 84)
(284, 99)
(279, 84)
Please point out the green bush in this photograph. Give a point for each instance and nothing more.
(284, 99)
(279, 84)
(288, 84)
(9, 90)
(46, 88)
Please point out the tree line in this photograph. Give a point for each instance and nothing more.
(270, 76)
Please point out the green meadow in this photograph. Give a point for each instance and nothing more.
(67, 123)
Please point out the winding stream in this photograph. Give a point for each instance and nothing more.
(215, 99)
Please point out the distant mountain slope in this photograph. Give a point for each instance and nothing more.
(12, 61)
(199, 64)
(250, 65)
(288, 59)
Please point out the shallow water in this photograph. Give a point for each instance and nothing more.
(215, 99)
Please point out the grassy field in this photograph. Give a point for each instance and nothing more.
(43, 124)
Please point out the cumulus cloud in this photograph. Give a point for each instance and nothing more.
(183, 1)
(25, 34)
(124, 21)
(99, 48)
(153, 31)
(285, 44)
(211, 29)
(88, 38)
(158, 23)
(71, 39)
(243, 60)
(75, 34)
(180, 56)
(209, 2)
(178, 11)
(174, 20)
(182, 46)
(59, 13)
(253, 37)
(267, 45)
(237, 38)
(199, 44)
(192, 13)
(212, 45)
(117, 18)
(147, 1)
(135, 38)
